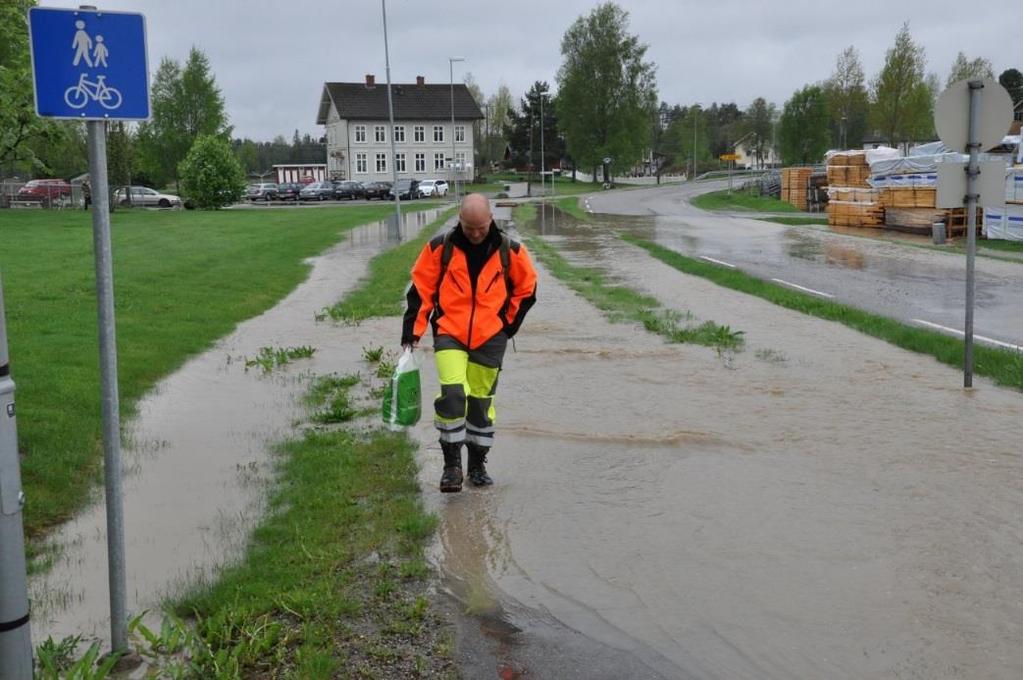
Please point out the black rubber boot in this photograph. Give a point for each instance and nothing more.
(478, 466)
(451, 480)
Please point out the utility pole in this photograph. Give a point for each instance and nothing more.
(15, 636)
(451, 67)
(390, 113)
(543, 165)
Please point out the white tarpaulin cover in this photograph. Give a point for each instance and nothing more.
(881, 153)
(1004, 223)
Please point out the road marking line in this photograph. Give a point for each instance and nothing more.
(954, 331)
(720, 262)
(803, 288)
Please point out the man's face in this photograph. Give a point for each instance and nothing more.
(476, 229)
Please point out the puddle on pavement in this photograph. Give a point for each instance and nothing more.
(823, 505)
(198, 456)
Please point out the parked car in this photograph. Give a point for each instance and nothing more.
(433, 187)
(262, 192)
(146, 198)
(377, 190)
(349, 191)
(317, 191)
(289, 191)
(46, 191)
(406, 190)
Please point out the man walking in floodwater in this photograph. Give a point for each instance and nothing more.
(473, 285)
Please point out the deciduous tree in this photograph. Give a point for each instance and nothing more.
(848, 101)
(757, 123)
(805, 133)
(607, 91)
(964, 69)
(211, 176)
(902, 103)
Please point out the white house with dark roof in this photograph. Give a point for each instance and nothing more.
(359, 142)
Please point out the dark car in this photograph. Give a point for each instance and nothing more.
(376, 190)
(407, 190)
(317, 191)
(289, 191)
(46, 191)
(348, 191)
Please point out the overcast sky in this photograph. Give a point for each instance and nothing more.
(271, 58)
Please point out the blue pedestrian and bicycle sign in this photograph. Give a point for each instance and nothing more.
(89, 65)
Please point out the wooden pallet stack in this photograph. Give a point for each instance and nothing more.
(794, 185)
(853, 203)
(913, 209)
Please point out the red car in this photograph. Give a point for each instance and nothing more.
(46, 191)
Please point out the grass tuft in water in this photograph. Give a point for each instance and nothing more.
(270, 358)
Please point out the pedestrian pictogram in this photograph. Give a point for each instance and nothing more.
(89, 65)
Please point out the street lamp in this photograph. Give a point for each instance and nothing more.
(543, 95)
(390, 113)
(451, 68)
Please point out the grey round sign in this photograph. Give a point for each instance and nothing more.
(952, 115)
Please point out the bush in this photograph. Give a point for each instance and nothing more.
(211, 176)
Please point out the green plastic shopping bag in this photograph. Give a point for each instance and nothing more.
(403, 401)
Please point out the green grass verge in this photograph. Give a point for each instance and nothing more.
(795, 221)
(1002, 366)
(741, 200)
(622, 304)
(382, 292)
(182, 280)
(1003, 246)
(572, 207)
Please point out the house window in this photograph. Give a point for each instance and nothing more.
(419, 133)
(420, 162)
(460, 160)
(459, 133)
(381, 162)
(379, 133)
(399, 133)
(360, 133)
(399, 162)
(438, 133)
(438, 161)
(360, 162)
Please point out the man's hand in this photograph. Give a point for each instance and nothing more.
(412, 347)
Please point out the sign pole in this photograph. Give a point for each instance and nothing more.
(15, 635)
(972, 173)
(108, 382)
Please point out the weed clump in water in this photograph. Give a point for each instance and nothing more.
(270, 358)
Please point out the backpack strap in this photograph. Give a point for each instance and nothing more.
(445, 259)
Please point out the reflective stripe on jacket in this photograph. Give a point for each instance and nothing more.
(470, 311)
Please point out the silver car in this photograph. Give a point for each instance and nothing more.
(146, 198)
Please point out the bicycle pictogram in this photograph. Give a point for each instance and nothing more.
(77, 96)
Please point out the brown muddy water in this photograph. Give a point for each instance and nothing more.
(819, 504)
(198, 455)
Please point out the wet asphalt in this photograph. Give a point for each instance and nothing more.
(883, 274)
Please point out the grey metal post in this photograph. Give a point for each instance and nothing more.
(15, 636)
(454, 169)
(972, 172)
(108, 382)
(543, 164)
(390, 113)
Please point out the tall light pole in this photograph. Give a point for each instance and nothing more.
(390, 113)
(543, 165)
(451, 69)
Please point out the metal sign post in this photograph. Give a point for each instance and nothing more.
(971, 116)
(15, 636)
(92, 66)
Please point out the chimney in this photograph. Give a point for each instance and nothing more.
(371, 80)
(420, 81)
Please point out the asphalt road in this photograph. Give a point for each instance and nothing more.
(921, 286)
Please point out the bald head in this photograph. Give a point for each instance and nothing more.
(475, 217)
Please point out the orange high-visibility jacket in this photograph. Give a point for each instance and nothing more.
(470, 311)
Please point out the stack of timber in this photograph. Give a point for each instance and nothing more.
(912, 209)
(852, 202)
(795, 185)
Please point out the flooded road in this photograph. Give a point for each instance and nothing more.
(820, 504)
(198, 455)
(880, 274)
